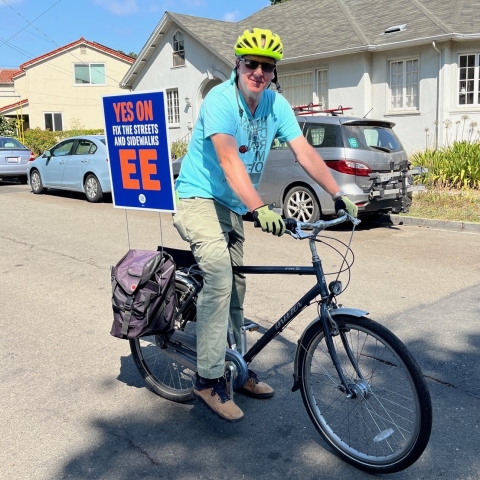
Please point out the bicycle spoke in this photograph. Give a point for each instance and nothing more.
(379, 422)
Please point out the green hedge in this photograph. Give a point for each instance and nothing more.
(455, 166)
(40, 140)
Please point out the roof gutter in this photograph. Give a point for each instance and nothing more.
(387, 46)
(149, 44)
(164, 23)
(438, 93)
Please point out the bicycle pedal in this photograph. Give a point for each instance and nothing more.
(251, 326)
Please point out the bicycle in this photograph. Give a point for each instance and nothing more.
(362, 389)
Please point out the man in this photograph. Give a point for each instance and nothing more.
(237, 123)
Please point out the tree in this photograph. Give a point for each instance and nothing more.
(131, 54)
(274, 2)
(7, 127)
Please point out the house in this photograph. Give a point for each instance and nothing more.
(63, 89)
(415, 63)
(7, 92)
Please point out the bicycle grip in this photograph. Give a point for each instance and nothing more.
(291, 224)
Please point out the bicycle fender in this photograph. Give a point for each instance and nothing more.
(356, 312)
(316, 325)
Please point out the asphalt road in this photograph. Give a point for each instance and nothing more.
(74, 406)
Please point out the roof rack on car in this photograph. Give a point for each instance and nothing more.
(313, 108)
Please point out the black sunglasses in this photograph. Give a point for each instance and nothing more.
(254, 64)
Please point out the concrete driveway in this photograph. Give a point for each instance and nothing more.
(74, 406)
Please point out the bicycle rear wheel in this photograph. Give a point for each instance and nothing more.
(162, 374)
(386, 425)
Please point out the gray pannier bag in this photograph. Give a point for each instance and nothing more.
(143, 294)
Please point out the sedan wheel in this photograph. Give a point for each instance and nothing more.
(302, 205)
(36, 182)
(93, 190)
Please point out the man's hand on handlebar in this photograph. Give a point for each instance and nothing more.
(343, 203)
(268, 220)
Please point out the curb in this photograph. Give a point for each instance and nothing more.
(468, 227)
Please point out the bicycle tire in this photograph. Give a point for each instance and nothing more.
(163, 375)
(386, 427)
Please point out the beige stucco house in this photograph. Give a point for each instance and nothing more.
(63, 88)
(7, 92)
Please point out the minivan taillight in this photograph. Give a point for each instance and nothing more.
(350, 167)
(32, 156)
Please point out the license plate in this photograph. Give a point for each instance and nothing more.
(384, 177)
(13, 159)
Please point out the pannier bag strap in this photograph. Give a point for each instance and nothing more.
(128, 314)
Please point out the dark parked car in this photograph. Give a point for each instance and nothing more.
(14, 159)
(366, 158)
(77, 163)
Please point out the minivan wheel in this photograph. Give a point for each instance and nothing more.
(301, 204)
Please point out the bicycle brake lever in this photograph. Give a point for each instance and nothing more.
(299, 234)
(354, 220)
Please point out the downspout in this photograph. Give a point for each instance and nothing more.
(438, 93)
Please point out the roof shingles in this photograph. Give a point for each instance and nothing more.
(312, 27)
(7, 74)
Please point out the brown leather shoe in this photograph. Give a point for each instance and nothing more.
(255, 388)
(217, 400)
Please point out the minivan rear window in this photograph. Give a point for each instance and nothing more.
(370, 137)
(323, 135)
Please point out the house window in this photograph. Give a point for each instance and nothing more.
(53, 121)
(173, 108)
(404, 85)
(322, 88)
(297, 88)
(468, 80)
(178, 49)
(302, 88)
(90, 74)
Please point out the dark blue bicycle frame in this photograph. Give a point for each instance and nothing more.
(299, 306)
(319, 289)
(185, 258)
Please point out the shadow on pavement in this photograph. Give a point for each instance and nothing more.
(161, 439)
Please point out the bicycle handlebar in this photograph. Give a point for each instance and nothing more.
(294, 227)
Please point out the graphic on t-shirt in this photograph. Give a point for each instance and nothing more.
(255, 154)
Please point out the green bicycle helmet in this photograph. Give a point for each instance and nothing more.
(259, 42)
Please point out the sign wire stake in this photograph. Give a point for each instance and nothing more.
(161, 231)
(128, 232)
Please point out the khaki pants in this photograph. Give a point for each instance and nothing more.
(216, 237)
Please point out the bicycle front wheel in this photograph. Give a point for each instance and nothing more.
(164, 375)
(385, 425)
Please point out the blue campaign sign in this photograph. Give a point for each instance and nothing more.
(139, 151)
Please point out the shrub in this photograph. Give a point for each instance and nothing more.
(456, 166)
(7, 127)
(178, 148)
(40, 140)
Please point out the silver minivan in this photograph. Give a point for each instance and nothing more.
(367, 161)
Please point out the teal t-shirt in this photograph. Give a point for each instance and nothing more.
(201, 174)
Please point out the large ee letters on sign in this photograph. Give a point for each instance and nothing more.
(147, 169)
(124, 112)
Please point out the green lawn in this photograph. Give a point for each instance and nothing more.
(444, 204)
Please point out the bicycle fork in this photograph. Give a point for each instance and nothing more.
(323, 322)
(326, 320)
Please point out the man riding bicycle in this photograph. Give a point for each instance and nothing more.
(236, 126)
